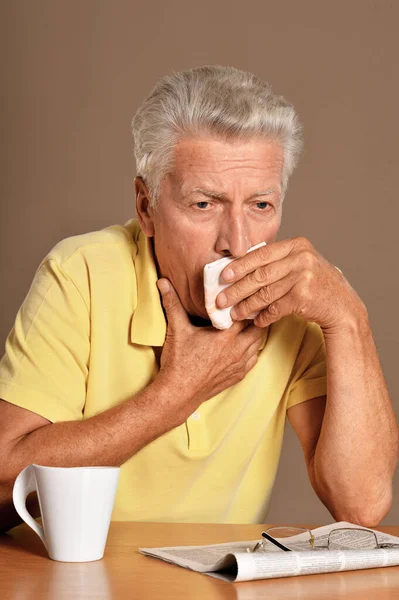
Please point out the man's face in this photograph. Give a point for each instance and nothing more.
(221, 198)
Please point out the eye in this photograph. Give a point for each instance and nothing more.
(262, 205)
(202, 205)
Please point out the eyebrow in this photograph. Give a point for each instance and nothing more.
(222, 196)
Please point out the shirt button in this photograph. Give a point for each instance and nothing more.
(196, 416)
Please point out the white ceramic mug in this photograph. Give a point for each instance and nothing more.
(76, 505)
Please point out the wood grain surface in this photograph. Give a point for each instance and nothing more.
(26, 573)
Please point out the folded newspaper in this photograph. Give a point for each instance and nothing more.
(233, 562)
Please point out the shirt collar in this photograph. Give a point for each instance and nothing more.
(148, 327)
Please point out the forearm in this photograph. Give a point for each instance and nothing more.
(109, 438)
(357, 450)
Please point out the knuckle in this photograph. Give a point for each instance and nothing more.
(300, 242)
(170, 335)
(261, 319)
(260, 274)
(241, 375)
(235, 375)
(250, 364)
(308, 258)
(265, 295)
(254, 348)
(273, 309)
(308, 275)
(170, 303)
(257, 276)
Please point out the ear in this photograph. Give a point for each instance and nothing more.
(143, 207)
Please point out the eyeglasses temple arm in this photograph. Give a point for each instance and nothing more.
(275, 542)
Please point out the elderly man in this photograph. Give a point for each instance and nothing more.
(113, 360)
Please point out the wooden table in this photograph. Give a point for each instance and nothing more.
(26, 573)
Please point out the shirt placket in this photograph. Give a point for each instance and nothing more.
(197, 431)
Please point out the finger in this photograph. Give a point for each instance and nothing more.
(264, 297)
(237, 327)
(276, 311)
(266, 274)
(175, 313)
(252, 334)
(251, 363)
(253, 349)
(251, 261)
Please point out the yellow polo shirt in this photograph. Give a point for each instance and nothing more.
(82, 343)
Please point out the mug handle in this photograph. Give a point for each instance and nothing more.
(24, 484)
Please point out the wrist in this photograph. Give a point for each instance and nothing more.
(174, 397)
(353, 322)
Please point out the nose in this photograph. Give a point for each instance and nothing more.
(233, 239)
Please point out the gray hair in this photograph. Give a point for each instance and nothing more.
(211, 99)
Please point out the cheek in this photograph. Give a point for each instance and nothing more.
(266, 232)
(272, 233)
(168, 254)
(191, 244)
(274, 228)
(180, 260)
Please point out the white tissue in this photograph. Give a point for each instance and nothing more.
(220, 317)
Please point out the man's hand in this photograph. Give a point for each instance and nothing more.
(288, 277)
(204, 360)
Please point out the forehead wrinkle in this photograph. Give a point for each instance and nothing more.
(262, 166)
(200, 157)
(215, 175)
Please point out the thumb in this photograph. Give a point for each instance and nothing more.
(171, 302)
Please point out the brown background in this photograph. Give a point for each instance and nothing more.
(73, 74)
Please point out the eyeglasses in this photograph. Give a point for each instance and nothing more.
(338, 539)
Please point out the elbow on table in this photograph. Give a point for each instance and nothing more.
(368, 514)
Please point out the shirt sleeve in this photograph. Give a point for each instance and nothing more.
(309, 375)
(45, 366)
